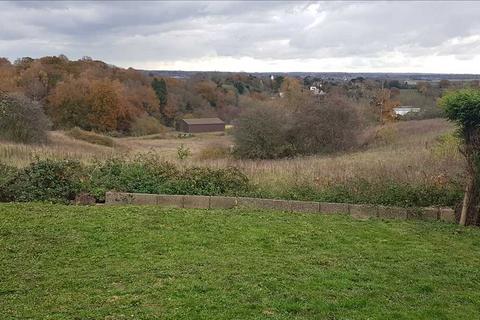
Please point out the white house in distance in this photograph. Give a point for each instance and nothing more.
(316, 90)
(403, 110)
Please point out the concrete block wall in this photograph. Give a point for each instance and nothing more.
(359, 211)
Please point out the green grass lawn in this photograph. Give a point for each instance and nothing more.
(67, 262)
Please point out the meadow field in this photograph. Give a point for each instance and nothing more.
(417, 158)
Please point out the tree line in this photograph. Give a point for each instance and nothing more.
(94, 95)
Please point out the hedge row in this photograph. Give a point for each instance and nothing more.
(61, 181)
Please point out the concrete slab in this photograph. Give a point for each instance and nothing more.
(332, 208)
(304, 206)
(196, 202)
(447, 215)
(256, 203)
(392, 212)
(363, 211)
(170, 201)
(143, 199)
(430, 214)
(118, 198)
(217, 202)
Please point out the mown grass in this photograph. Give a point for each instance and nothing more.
(65, 262)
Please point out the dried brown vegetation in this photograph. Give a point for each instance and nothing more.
(423, 153)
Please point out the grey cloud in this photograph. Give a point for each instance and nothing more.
(129, 32)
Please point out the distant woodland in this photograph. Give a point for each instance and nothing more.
(94, 95)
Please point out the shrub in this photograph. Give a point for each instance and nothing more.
(47, 180)
(7, 174)
(390, 193)
(90, 137)
(327, 125)
(320, 125)
(145, 174)
(183, 152)
(206, 181)
(22, 120)
(146, 125)
(262, 133)
(148, 175)
(463, 108)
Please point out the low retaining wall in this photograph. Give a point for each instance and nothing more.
(360, 211)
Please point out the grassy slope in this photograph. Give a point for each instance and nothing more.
(65, 262)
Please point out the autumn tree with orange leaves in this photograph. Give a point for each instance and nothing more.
(384, 104)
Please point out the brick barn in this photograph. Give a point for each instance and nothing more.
(200, 125)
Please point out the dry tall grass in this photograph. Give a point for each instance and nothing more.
(59, 146)
(414, 154)
(409, 152)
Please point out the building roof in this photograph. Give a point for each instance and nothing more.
(406, 108)
(204, 121)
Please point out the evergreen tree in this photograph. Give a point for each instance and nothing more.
(160, 88)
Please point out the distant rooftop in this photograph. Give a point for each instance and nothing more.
(204, 121)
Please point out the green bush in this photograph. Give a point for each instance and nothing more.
(328, 125)
(61, 181)
(22, 120)
(381, 193)
(147, 175)
(319, 125)
(47, 180)
(206, 181)
(262, 133)
(7, 175)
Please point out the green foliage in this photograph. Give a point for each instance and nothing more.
(160, 88)
(90, 137)
(47, 180)
(207, 181)
(144, 174)
(61, 181)
(146, 125)
(261, 133)
(330, 125)
(147, 175)
(382, 193)
(427, 104)
(462, 107)
(277, 83)
(22, 120)
(239, 86)
(183, 152)
(7, 174)
(319, 126)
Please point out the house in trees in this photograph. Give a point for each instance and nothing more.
(316, 91)
(403, 110)
(200, 125)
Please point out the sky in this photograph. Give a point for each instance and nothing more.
(263, 36)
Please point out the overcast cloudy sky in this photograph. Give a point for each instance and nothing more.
(250, 36)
